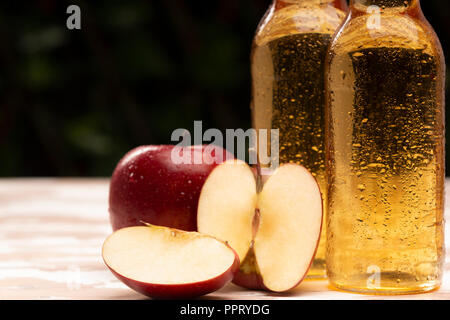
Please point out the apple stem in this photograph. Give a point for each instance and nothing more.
(146, 223)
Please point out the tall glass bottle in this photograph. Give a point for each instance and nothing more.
(288, 59)
(385, 150)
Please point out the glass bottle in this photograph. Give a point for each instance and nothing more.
(385, 150)
(288, 59)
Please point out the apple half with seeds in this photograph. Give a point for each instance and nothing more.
(274, 223)
(166, 263)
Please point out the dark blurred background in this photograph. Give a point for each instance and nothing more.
(72, 102)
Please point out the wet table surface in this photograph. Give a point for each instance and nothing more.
(51, 233)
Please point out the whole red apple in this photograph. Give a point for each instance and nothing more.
(149, 186)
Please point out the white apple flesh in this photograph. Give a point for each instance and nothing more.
(166, 263)
(281, 223)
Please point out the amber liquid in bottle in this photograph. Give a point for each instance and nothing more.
(288, 59)
(385, 151)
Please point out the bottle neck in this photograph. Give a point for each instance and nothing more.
(306, 1)
(385, 3)
(340, 4)
(409, 7)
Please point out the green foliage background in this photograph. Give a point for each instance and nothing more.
(72, 102)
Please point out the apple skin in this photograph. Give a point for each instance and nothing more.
(146, 186)
(181, 291)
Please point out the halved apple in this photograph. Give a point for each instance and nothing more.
(274, 227)
(161, 262)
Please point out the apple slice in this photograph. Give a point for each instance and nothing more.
(161, 262)
(275, 231)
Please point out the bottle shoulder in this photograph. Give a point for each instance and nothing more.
(387, 31)
(296, 19)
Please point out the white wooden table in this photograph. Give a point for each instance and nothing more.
(51, 233)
